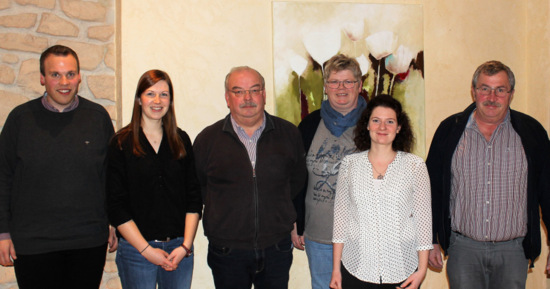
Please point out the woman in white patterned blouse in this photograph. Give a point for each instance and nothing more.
(382, 213)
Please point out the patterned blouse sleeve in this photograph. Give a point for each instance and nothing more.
(341, 203)
(422, 207)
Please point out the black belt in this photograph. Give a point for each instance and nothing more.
(167, 239)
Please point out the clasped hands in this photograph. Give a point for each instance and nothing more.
(168, 262)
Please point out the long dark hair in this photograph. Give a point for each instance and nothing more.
(404, 140)
(147, 80)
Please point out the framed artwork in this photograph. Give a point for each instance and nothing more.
(386, 39)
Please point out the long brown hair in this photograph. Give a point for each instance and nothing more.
(147, 80)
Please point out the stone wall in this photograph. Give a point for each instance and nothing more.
(28, 27)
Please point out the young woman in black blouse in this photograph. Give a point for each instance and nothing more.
(154, 198)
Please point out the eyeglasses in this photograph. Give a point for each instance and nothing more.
(252, 92)
(499, 91)
(336, 83)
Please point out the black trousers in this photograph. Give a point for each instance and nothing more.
(351, 282)
(70, 269)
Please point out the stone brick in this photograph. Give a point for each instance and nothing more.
(84, 10)
(25, 20)
(110, 56)
(110, 266)
(114, 283)
(54, 25)
(9, 101)
(29, 77)
(7, 75)
(102, 86)
(23, 42)
(50, 4)
(102, 33)
(111, 256)
(4, 4)
(90, 55)
(10, 58)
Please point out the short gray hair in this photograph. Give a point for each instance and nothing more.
(242, 68)
(491, 68)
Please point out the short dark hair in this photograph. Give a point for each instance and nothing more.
(58, 50)
(404, 140)
(491, 68)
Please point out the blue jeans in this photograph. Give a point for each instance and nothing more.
(319, 257)
(137, 273)
(238, 269)
(486, 265)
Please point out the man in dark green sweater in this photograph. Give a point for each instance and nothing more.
(53, 223)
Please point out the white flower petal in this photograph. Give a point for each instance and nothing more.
(400, 60)
(322, 45)
(298, 63)
(354, 30)
(381, 44)
(364, 63)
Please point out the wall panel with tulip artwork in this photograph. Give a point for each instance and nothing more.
(386, 39)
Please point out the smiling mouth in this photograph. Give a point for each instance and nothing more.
(64, 91)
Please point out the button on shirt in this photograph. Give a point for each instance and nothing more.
(489, 184)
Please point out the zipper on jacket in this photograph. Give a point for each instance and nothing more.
(256, 209)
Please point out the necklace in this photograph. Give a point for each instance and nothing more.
(380, 176)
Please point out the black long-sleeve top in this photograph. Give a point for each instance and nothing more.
(156, 191)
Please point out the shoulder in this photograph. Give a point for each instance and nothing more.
(458, 118)
(27, 107)
(22, 112)
(279, 121)
(525, 119)
(213, 128)
(122, 137)
(312, 118)
(92, 107)
(410, 158)
(184, 136)
(355, 157)
(310, 122)
(208, 133)
(281, 125)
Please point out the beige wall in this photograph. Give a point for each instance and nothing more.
(198, 41)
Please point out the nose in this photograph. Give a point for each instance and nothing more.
(63, 79)
(157, 98)
(492, 96)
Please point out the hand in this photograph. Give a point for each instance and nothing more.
(7, 253)
(158, 257)
(297, 240)
(336, 280)
(175, 257)
(413, 282)
(113, 240)
(435, 259)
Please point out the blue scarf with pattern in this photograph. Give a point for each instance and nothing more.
(337, 123)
